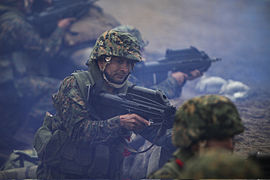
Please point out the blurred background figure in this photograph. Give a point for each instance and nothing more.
(25, 59)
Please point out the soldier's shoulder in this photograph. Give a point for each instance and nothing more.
(69, 81)
(220, 164)
(168, 171)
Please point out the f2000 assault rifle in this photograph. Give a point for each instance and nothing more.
(152, 105)
(46, 21)
(183, 60)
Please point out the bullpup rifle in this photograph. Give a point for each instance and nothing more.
(183, 60)
(150, 104)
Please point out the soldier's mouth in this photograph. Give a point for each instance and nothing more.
(121, 76)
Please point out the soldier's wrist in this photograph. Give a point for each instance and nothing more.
(115, 125)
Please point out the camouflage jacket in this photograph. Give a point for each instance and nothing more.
(209, 164)
(86, 142)
(16, 34)
(220, 164)
(172, 169)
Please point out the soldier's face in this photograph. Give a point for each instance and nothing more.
(118, 69)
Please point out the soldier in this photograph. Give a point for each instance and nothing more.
(83, 141)
(172, 86)
(204, 129)
(19, 35)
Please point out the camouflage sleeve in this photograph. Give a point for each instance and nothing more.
(220, 165)
(72, 109)
(170, 87)
(168, 171)
(18, 33)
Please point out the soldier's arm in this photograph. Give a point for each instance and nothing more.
(170, 87)
(72, 109)
(24, 35)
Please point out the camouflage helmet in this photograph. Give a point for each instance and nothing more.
(116, 43)
(134, 31)
(205, 117)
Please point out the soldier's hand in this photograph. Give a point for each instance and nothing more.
(179, 77)
(133, 121)
(194, 74)
(65, 23)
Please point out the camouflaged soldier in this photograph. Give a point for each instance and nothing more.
(204, 129)
(83, 141)
(18, 35)
(172, 86)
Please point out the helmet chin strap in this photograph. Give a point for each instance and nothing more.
(113, 84)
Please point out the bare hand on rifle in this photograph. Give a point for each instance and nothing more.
(180, 77)
(65, 23)
(133, 121)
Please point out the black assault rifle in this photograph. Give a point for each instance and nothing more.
(183, 60)
(46, 21)
(152, 105)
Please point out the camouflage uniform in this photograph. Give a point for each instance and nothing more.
(200, 119)
(82, 141)
(17, 35)
(221, 164)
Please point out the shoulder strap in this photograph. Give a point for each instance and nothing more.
(84, 80)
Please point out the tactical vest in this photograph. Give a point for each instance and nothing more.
(58, 152)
